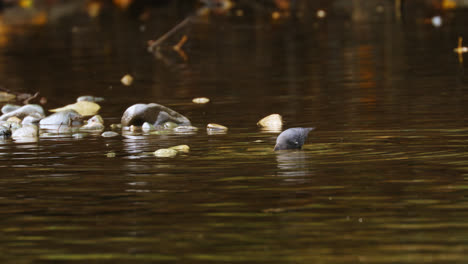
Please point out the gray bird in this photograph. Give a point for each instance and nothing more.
(292, 138)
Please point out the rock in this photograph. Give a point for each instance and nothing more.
(62, 118)
(170, 125)
(94, 123)
(79, 135)
(116, 126)
(110, 155)
(127, 80)
(90, 98)
(5, 132)
(181, 148)
(201, 100)
(185, 129)
(9, 107)
(146, 127)
(272, 122)
(216, 127)
(109, 134)
(165, 153)
(14, 119)
(26, 132)
(32, 119)
(5, 97)
(23, 111)
(155, 114)
(83, 108)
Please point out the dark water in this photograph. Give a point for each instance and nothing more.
(383, 179)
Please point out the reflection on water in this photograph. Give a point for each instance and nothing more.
(382, 180)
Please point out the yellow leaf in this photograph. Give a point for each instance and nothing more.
(83, 108)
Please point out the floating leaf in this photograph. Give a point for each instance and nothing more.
(83, 108)
(165, 153)
(4, 97)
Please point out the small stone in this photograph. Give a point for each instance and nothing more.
(116, 126)
(94, 123)
(79, 135)
(90, 98)
(110, 155)
(216, 127)
(127, 80)
(170, 125)
(271, 122)
(109, 134)
(146, 127)
(201, 100)
(133, 128)
(14, 119)
(185, 129)
(165, 153)
(181, 148)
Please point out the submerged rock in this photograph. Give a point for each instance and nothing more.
(185, 129)
(90, 98)
(165, 153)
(25, 110)
(153, 113)
(181, 148)
(62, 118)
(9, 107)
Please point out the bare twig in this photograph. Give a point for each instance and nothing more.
(155, 44)
(27, 100)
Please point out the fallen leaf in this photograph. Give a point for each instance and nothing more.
(83, 108)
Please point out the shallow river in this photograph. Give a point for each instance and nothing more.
(382, 179)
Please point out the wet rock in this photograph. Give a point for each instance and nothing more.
(181, 148)
(292, 138)
(79, 135)
(25, 110)
(271, 122)
(185, 129)
(14, 119)
(62, 118)
(26, 132)
(216, 127)
(90, 98)
(116, 126)
(165, 153)
(9, 107)
(153, 113)
(146, 127)
(5, 132)
(83, 108)
(32, 119)
(109, 134)
(127, 80)
(94, 123)
(201, 100)
(170, 125)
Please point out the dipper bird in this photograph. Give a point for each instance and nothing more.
(292, 138)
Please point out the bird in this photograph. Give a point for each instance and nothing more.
(292, 138)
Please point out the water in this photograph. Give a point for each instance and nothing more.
(383, 178)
